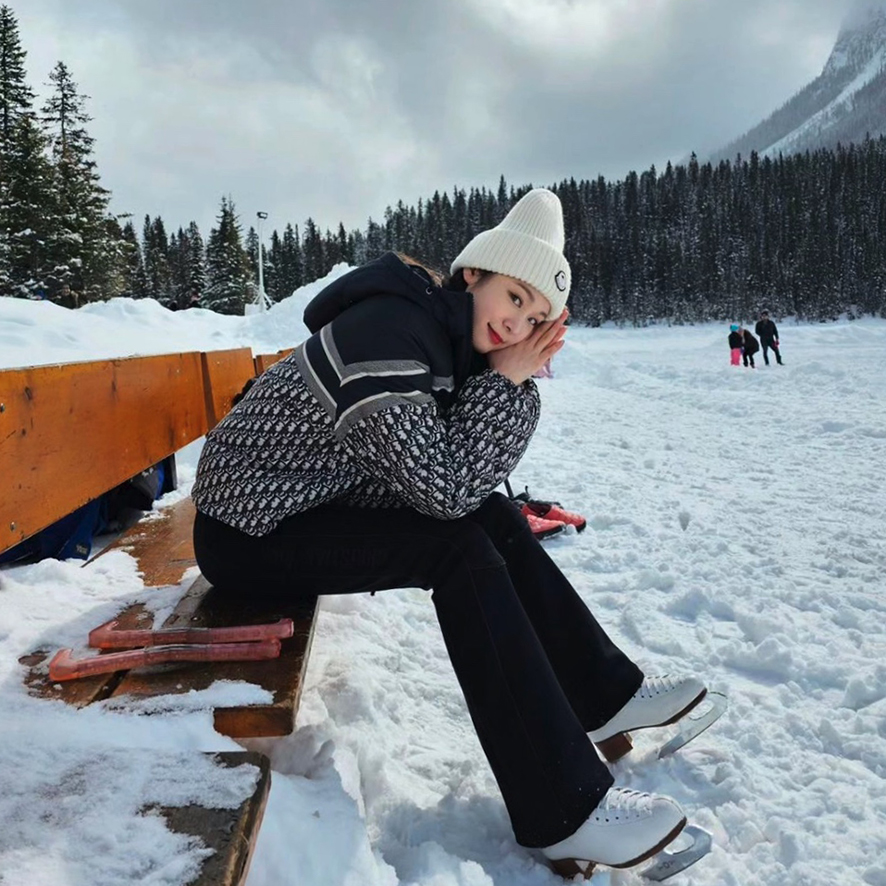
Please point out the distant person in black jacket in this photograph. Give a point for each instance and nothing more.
(750, 347)
(768, 332)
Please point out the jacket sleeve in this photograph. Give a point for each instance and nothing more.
(380, 370)
(445, 466)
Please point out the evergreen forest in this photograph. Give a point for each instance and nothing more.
(803, 235)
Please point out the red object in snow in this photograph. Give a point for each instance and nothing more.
(65, 667)
(108, 636)
(542, 528)
(551, 510)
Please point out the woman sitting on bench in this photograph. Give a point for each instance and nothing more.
(368, 460)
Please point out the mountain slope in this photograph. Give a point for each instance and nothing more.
(844, 103)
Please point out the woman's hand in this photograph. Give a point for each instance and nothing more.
(521, 361)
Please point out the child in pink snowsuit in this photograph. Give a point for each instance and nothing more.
(736, 342)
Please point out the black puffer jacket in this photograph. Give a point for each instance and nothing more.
(767, 330)
(386, 404)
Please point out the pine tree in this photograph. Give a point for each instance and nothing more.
(133, 286)
(226, 271)
(26, 219)
(502, 204)
(85, 251)
(179, 276)
(291, 263)
(157, 270)
(313, 261)
(196, 264)
(374, 244)
(344, 246)
(25, 175)
(16, 97)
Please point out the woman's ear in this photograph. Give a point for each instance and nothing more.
(471, 275)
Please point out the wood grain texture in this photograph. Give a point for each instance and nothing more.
(264, 361)
(224, 374)
(71, 432)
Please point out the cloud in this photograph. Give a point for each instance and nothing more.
(337, 109)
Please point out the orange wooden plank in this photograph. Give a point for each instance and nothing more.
(225, 373)
(70, 432)
(264, 361)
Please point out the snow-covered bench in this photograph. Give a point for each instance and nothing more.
(71, 432)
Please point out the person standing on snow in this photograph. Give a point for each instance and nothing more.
(736, 344)
(768, 332)
(750, 346)
(368, 460)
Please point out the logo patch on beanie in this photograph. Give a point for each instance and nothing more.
(560, 280)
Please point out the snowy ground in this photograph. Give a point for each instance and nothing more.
(735, 530)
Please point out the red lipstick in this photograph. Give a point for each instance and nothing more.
(494, 337)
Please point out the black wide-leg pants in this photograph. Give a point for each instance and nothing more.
(536, 669)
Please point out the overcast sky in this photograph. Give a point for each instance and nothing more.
(336, 109)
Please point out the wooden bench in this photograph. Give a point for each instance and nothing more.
(68, 434)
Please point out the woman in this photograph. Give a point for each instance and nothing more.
(750, 346)
(367, 460)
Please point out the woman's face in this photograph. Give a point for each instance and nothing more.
(506, 310)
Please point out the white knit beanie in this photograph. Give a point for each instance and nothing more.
(526, 244)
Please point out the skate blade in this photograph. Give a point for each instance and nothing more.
(668, 863)
(707, 712)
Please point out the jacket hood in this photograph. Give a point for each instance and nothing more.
(387, 275)
(390, 275)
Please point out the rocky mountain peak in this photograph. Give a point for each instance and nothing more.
(862, 37)
(846, 103)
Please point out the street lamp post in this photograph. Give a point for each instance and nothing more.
(261, 299)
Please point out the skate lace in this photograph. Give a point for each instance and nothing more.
(623, 804)
(653, 686)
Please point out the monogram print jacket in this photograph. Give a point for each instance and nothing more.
(385, 405)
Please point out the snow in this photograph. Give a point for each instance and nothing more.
(35, 333)
(735, 531)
